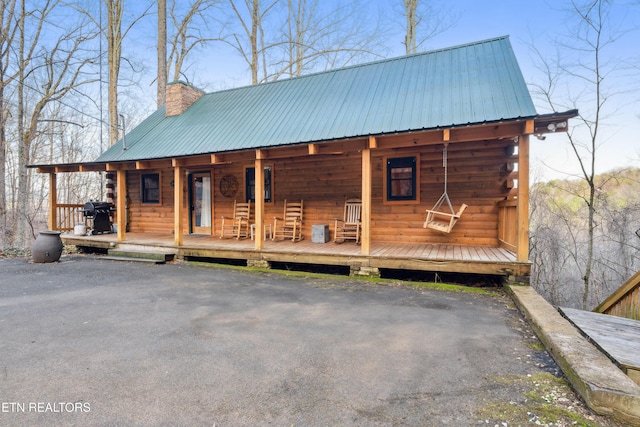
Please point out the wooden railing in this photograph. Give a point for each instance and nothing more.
(624, 302)
(68, 215)
(507, 224)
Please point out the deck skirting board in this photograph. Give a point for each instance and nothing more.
(385, 255)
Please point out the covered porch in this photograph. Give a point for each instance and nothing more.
(491, 239)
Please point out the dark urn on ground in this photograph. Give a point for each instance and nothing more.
(47, 247)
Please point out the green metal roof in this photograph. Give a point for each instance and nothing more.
(469, 84)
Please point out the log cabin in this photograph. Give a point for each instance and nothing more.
(396, 134)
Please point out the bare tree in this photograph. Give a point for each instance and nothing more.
(423, 20)
(583, 65)
(410, 38)
(48, 70)
(314, 36)
(162, 52)
(559, 224)
(64, 140)
(114, 33)
(549, 256)
(250, 42)
(321, 38)
(187, 32)
(114, 57)
(617, 251)
(8, 28)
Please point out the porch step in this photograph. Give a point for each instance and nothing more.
(131, 259)
(138, 256)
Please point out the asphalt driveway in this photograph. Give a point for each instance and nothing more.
(93, 342)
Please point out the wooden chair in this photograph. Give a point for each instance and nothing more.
(290, 225)
(350, 226)
(238, 225)
(443, 221)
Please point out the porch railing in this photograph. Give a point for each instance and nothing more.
(507, 224)
(68, 215)
(624, 302)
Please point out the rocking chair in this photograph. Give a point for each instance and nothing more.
(349, 228)
(238, 225)
(290, 225)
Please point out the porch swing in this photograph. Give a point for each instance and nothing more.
(436, 218)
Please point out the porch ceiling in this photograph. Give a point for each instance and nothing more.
(508, 129)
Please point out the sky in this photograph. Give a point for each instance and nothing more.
(528, 24)
(536, 23)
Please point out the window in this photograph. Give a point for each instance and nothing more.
(150, 188)
(402, 179)
(250, 183)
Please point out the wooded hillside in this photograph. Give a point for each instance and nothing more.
(558, 236)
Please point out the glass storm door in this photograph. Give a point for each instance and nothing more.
(200, 203)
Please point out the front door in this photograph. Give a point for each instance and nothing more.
(200, 202)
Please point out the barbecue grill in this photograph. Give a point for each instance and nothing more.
(100, 213)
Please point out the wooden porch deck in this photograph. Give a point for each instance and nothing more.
(402, 256)
(615, 336)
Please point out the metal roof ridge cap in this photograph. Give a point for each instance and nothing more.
(459, 46)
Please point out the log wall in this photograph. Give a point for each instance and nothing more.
(150, 218)
(480, 175)
(477, 176)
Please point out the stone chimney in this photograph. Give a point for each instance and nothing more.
(180, 96)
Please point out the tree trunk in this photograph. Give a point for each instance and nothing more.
(23, 149)
(255, 22)
(162, 52)
(114, 43)
(410, 10)
(591, 227)
(3, 161)
(6, 16)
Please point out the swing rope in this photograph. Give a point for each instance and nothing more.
(445, 195)
(447, 224)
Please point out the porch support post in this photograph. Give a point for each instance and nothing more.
(259, 208)
(178, 203)
(121, 204)
(522, 227)
(365, 246)
(53, 201)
